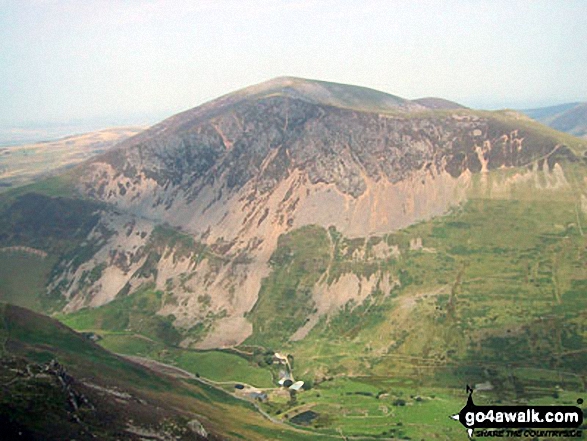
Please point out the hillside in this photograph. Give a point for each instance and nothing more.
(58, 384)
(238, 172)
(570, 118)
(343, 96)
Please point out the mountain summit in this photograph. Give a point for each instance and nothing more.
(315, 92)
(329, 94)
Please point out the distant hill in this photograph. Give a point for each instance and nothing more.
(20, 165)
(570, 118)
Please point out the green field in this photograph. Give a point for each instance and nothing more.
(214, 365)
(377, 407)
(387, 408)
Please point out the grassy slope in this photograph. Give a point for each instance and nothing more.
(129, 325)
(501, 261)
(55, 186)
(24, 291)
(135, 313)
(214, 365)
(285, 297)
(43, 217)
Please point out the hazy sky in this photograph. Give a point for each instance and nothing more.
(127, 60)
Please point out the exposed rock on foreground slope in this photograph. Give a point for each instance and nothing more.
(238, 172)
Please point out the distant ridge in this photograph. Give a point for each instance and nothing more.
(570, 118)
(548, 112)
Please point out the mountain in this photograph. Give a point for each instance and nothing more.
(570, 118)
(24, 164)
(238, 172)
(380, 242)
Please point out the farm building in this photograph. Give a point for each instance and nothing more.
(296, 386)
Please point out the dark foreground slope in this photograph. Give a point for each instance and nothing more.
(57, 384)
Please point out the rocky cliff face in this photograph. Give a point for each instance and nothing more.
(238, 172)
(240, 156)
